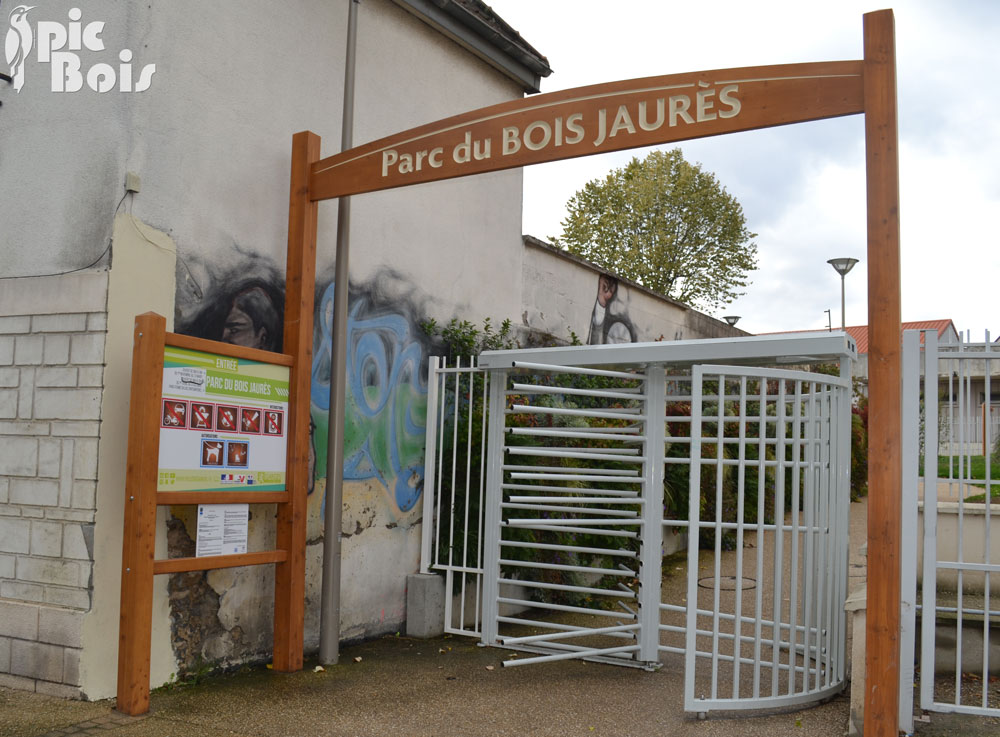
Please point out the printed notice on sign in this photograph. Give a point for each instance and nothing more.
(223, 423)
(222, 529)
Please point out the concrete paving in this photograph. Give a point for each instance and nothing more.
(410, 687)
(442, 687)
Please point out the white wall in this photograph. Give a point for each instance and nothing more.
(211, 139)
(62, 157)
(560, 291)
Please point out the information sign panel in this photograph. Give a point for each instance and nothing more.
(222, 423)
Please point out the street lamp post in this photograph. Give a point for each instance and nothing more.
(842, 266)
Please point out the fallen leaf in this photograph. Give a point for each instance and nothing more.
(319, 669)
(357, 659)
(270, 666)
(442, 650)
(489, 667)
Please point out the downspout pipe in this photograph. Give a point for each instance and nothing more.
(329, 636)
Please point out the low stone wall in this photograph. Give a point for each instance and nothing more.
(52, 335)
(973, 539)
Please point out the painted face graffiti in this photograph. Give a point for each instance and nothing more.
(610, 321)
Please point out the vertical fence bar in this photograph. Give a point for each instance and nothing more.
(442, 390)
(740, 511)
(719, 475)
(779, 536)
(928, 619)
(494, 496)
(963, 415)
(827, 615)
(761, 510)
(841, 507)
(793, 572)
(454, 465)
(430, 451)
(810, 572)
(482, 498)
(987, 543)
(908, 544)
(651, 550)
(694, 528)
(468, 486)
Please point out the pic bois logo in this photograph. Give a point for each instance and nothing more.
(71, 50)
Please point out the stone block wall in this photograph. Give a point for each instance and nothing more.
(52, 334)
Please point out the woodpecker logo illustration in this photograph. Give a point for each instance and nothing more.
(18, 43)
(74, 52)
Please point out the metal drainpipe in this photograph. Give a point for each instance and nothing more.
(329, 624)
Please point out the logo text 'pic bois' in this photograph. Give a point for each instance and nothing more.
(73, 51)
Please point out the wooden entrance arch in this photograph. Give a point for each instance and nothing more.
(651, 111)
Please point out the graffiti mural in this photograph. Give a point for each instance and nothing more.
(610, 321)
(243, 303)
(386, 386)
(386, 389)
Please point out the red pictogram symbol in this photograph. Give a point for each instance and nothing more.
(201, 416)
(174, 413)
(226, 419)
(250, 419)
(272, 423)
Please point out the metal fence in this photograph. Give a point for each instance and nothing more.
(954, 503)
(554, 483)
(454, 481)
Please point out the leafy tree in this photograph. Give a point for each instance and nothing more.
(666, 224)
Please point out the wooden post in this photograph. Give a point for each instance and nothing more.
(885, 377)
(136, 615)
(300, 297)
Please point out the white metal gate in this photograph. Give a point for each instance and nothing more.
(776, 636)
(564, 539)
(953, 503)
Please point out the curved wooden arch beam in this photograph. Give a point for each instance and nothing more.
(595, 119)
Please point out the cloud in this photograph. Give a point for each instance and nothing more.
(802, 187)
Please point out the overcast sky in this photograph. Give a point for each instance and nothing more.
(802, 187)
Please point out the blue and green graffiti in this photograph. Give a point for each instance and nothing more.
(386, 398)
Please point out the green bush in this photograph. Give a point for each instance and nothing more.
(859, 449)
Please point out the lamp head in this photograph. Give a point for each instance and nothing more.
(732, 319)
(842, 265)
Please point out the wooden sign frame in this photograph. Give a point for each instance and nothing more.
(138, 561)
(141, 497)
(567, 124)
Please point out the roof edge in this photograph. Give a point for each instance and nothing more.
(474, 26)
